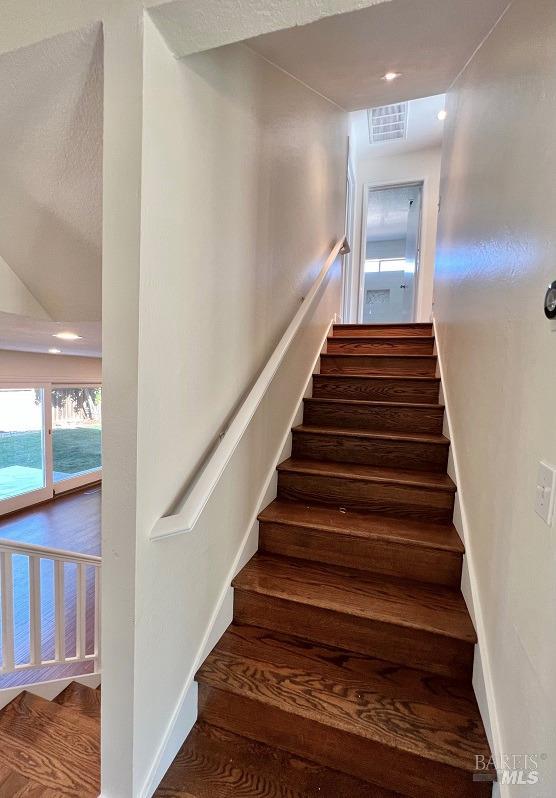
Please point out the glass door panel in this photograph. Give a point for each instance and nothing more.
(24, 476)
(76, 434)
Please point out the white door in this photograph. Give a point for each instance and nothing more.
(390, 231)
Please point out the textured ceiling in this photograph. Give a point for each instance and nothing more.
(344, 57)
(191, 26)
(51, 171)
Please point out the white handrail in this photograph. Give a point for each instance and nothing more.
(17, 547)
(20, 643)
(193, 503)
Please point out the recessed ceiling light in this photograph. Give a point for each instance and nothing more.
(389, 76)
(67, 336)
(442, 115)
(54, 351)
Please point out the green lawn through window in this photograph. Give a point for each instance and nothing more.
(74, 450)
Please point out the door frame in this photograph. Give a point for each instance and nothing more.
(371, 186)
(348, 264)
(50, 489)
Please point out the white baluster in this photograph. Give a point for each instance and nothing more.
(97, 620)
(35, 630)
(60, 611)
(6, 577)
(81, 624)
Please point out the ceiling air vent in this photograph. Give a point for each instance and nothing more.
(387, 123)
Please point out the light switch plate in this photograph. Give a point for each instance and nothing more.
(544, 496)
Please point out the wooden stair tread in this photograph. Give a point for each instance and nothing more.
(214, 763)
(361, 525)
(378, 701)
(414, 437)
(369, 336)
(370, 403)
(51, 745)
(430, 608)
(356, 471)
(409, 377)
(387, 330)
(386, 355)
(80, 698)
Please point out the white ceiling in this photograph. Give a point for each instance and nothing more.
(33, 335)
(344, 57)
(424, 129)
(51, 171)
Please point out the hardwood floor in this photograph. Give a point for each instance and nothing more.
(72, 523)
(347, 668)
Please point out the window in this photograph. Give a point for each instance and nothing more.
(76, 431)
(22, 450)
(50, 441)
(385, 265)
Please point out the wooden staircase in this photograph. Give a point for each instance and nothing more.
(347, 669)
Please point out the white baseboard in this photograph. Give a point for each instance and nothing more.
(48, 690)
(482, 672)
(185, 713)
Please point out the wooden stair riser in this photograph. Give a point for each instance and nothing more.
(425, 564)
(81, 699)
(383, 330)
(374, 418)
(390, 499)
(408, 454)
(413, 366)
(375, 389)
(380, 346)
(216, 763)
(415, 648)
(364, 759)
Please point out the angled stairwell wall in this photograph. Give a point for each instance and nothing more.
(244, 181)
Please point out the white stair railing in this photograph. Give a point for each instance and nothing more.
(55, 608)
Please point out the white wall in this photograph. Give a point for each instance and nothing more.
(29, 366)
(15, 297)
(23, 23)
(497, 253)
(406, 167)
(244, 184)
